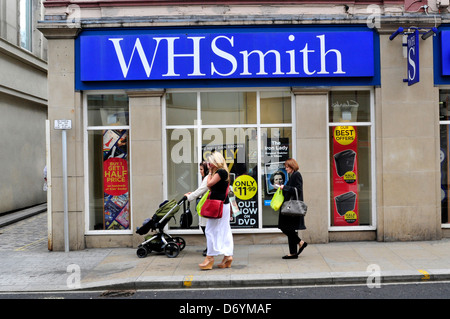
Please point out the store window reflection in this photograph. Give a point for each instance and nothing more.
(444, 117)
(253, 131)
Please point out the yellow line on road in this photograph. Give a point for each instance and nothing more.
(28, 245)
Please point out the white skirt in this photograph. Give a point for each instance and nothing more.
(219, 239)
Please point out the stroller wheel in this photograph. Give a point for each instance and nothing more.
(141, 252)
(172, 250)
(180, 242)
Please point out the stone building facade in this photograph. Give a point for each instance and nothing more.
(153, 86)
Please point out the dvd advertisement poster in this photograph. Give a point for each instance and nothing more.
(345, 176)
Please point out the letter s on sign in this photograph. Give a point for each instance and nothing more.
(224, 55)
(412, 64)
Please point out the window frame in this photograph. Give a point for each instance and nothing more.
(257, 125)
(370, 124)
(86, 130)
(444, 122)
(28, 26)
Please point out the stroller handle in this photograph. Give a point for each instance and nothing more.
(182, 200)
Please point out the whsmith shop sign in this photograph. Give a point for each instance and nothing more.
(204, 54)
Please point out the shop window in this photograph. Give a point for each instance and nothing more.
(253, 130)
(351, 143)
(181, 109)
(228, 108)
(108, 163)
(276, 107)
(444, 117)
(25, 23)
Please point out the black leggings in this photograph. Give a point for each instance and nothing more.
(293, 240)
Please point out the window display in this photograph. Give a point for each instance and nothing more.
(231, 123)
(350, 162)
(108, 162)
(444, 117)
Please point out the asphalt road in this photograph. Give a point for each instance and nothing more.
(428, 290)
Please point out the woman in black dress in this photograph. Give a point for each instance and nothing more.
(289, 225)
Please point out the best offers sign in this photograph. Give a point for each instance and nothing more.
(136, 55)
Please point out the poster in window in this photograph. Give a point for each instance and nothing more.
(275, 153)
(345, 176)
(116, 209)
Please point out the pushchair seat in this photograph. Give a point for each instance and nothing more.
(169, 208)
(161, 241)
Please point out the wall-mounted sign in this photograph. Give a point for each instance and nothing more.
(119, 55)
(413, 57)
(63, 124)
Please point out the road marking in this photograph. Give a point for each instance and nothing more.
(425, 273)
(188, 281)
(28, 245)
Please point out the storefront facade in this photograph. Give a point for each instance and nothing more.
(149, 98)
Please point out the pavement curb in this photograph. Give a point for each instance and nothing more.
(268, 280)
(11, 218)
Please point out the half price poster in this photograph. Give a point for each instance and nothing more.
(116, 208)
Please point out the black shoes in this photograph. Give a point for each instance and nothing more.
(302, 247)
(299, 252)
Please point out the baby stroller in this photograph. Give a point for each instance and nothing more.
(161, 241)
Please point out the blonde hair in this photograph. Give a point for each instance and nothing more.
(217, 159)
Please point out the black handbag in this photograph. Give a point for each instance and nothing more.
(294, 207)
(186, 217)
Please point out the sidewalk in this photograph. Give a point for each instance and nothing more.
(253, 265)
(27, 266)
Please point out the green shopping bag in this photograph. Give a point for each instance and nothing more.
(277, 200)
(201, 202)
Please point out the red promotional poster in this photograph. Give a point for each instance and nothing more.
(115, 176)
(345, 176)
(116, 208)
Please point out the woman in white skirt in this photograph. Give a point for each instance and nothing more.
(219, 239)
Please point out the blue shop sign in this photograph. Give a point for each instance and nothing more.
(445, 42)
(413, 57)
(236, 54)
(441, 58)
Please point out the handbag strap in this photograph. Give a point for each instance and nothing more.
(226, 194)
(296, 193)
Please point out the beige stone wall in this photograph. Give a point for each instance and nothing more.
(23, 110)
(65, 103)
(407, 124)
(146, 155)
(312, 143)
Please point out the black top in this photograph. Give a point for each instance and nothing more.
(219, 189)
(289, 223)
